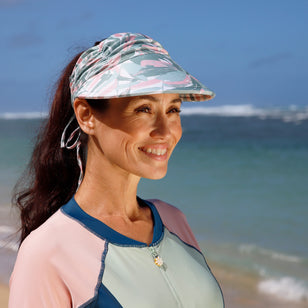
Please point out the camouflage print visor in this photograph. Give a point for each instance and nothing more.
(132, 64)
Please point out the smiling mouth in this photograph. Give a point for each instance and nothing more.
(154, 152)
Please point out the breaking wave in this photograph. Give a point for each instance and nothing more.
(252, 249)
(22, 115)
(5, 240)
(278, 272)
(286, 288)
(290, 114)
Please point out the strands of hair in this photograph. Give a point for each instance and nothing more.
(51, 177)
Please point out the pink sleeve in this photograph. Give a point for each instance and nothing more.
(35, 282)
(176, 222)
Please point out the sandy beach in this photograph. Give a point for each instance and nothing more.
(4, 296)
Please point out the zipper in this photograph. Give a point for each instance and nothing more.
(159, 262)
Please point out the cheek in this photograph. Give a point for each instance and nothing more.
(117, 141)
(107, 140)
(177, 131)
(134, 126)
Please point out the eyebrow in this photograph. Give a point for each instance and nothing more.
(154, 99)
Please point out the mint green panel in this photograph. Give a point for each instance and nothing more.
(183, 280)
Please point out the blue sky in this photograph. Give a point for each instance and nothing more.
(248, 52)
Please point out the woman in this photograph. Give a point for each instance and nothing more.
(88, 241)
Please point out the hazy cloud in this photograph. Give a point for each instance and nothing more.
(70, 22)
(10, 2)
(269, 60)
(24, 40)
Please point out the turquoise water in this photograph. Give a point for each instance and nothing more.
(241, 177)
(243, 184)
(242, 180)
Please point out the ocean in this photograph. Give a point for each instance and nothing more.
(240, 174)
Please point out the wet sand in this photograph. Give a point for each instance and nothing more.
(240, 290)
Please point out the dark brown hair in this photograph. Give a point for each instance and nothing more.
(51, 177)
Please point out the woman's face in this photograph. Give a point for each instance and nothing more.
(137, 135)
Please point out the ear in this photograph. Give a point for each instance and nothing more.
(84, 115)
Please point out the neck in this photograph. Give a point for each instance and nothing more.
(108, 191)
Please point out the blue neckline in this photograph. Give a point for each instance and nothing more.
(73, 210)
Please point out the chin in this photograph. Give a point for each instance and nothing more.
(155, 175)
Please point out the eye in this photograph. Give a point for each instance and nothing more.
(145, 109)
(174, 110)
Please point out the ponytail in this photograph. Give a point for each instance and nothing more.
(51, 178)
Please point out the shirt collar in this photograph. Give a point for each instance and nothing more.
(74, 211)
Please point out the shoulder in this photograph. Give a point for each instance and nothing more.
(58, 237)
(41, 240)
(166, 210)
(48, 264)
(175, 221)
(47, 237)
(35, 276)
(55, 245)
(42, 246)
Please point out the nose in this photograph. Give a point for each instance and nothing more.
(161, 127)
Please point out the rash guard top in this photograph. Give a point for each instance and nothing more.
(75, 260)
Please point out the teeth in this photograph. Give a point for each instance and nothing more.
(156, 151)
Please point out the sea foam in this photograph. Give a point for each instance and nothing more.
(22, 115)
(7, 230)
(252, 249)
(9, 245)
(6, 239)
(290, 114)
(286, 288)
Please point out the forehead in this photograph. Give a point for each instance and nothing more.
(168, 97)
(164, 97)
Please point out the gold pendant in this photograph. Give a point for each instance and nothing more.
(158, 261)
